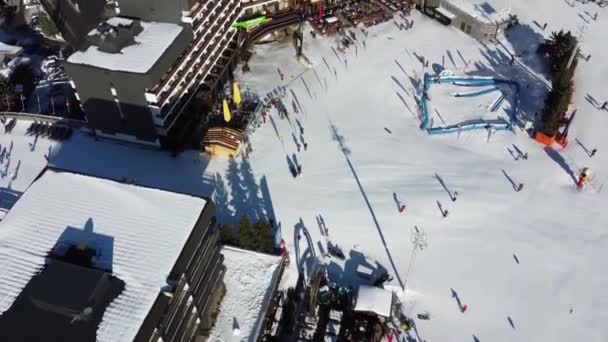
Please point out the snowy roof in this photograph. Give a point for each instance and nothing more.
(6, 49)
(249, 280)
(374, 299)
(140, 57)
(115, 21)
(147, 229)
(488, 11)
(445, 13)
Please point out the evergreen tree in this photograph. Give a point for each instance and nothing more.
(246, 237)
(558, 50)
(9, 100)
(227, 235)
(264, 237)
(24, 75)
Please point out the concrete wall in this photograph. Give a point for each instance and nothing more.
(470, 25)
(94, 85)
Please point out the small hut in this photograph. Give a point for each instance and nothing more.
(223, 141)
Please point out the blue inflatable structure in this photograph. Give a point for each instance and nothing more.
(501, 125)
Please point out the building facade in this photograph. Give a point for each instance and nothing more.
(186, 309)
(118, 262)
(147, 105)
(481, 19)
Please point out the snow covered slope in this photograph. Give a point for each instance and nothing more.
(524, 257)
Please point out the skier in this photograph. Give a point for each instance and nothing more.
(593, 152)
(583, 178)
(305, 146)
(455, 196)
(544, 26)
(464, 308)
(520, 187)
(280, 74)
(604, 106)
(445, 213)
(299, 170)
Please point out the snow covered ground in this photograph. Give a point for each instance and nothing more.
(22, 158)
(249, 279)
(524, 257)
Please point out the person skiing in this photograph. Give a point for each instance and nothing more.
(583, 178)
(464, 308)
(455, 196)
(593, 152)
(402, 207)
(520, 187)
(604, 106)
(299, 170)
(280, 74)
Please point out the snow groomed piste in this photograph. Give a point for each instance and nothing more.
(489, 82)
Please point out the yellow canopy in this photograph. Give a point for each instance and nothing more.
(227, 114)
(236, 94)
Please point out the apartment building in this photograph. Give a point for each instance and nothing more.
(139, 71)
(89, 259)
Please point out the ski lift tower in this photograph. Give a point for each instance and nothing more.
(420, 242)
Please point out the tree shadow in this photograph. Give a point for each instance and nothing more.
(346, 152)
(240, 194)
(524, 40)
(500, 63)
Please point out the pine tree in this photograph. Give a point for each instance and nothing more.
(227, 235)
(24, 75)
(246, 237)
(559, 49)
(264, 237)
(7, 93)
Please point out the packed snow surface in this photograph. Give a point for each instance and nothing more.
(140, 57)
(249, 282)
(534, 258)
(148, 229)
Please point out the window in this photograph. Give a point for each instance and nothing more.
(119, 109)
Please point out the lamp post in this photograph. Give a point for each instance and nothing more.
(420, 242)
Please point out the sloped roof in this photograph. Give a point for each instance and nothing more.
(140, 57)
(139, 232)
(373, 299)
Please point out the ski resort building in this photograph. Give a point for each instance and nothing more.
(90, 259)
(479, 19)
(139, 71)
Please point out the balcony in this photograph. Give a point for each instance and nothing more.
(172, 110)
(160, 92)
